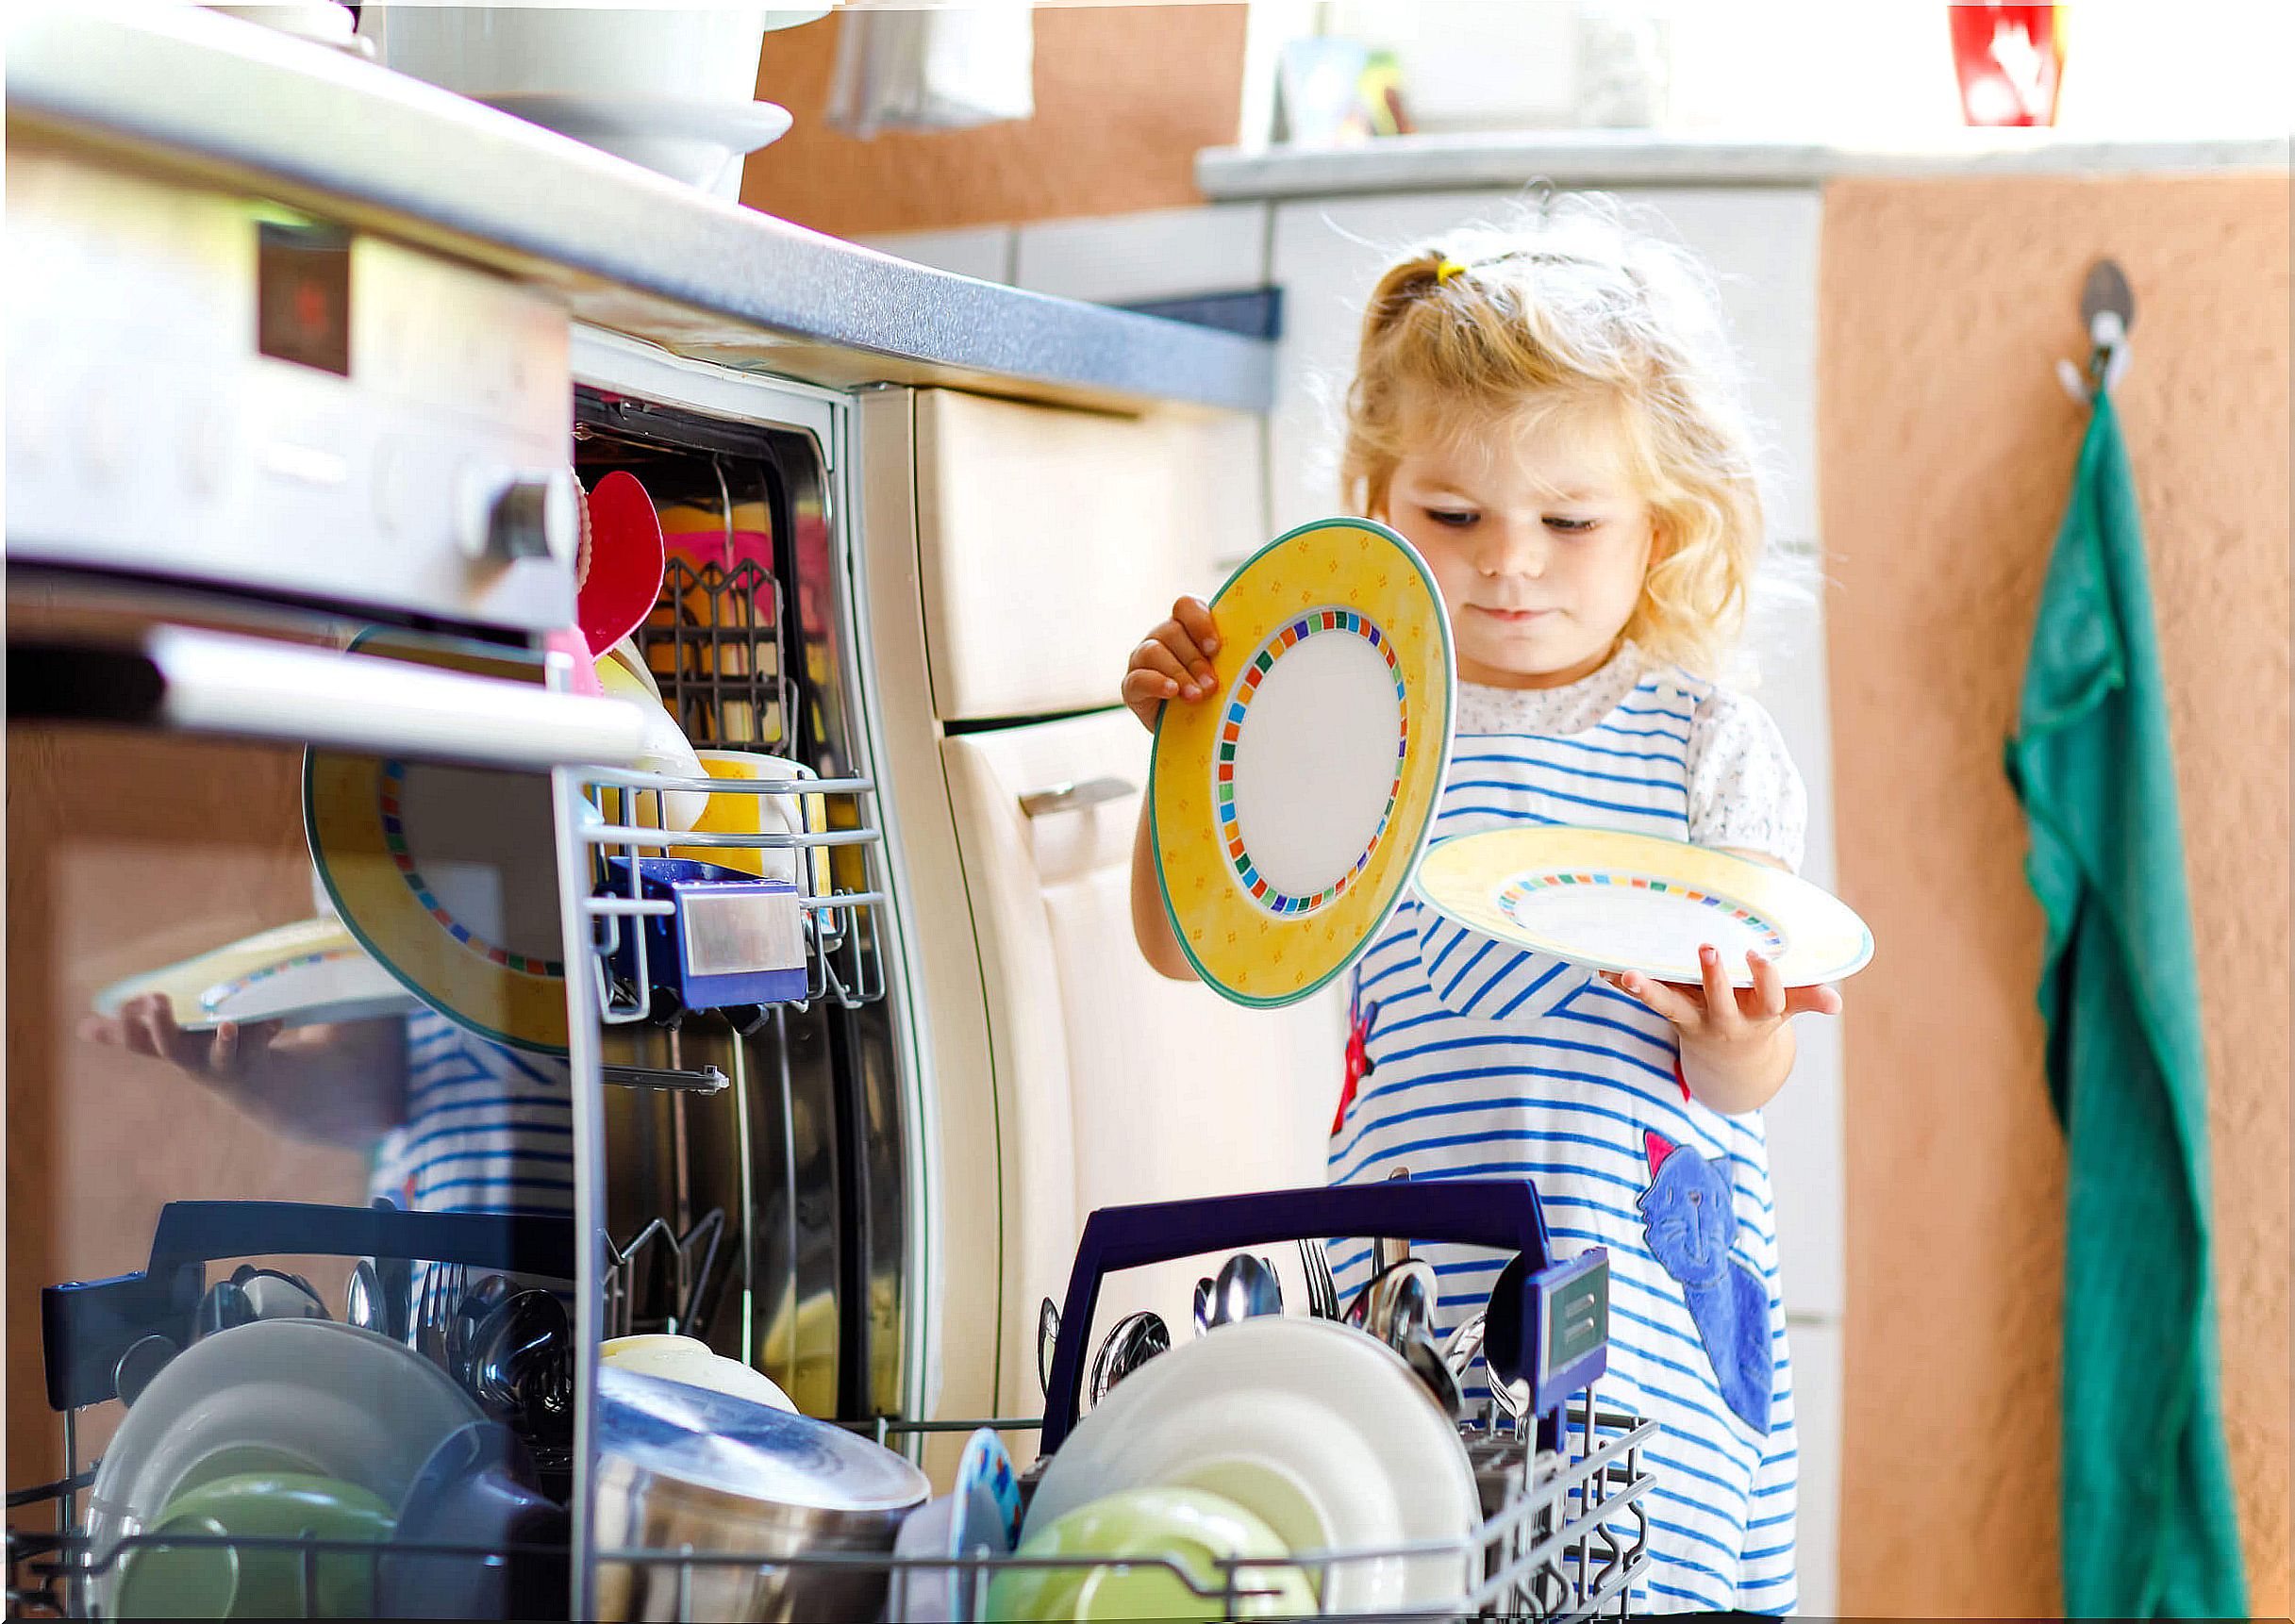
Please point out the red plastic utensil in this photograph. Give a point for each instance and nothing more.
(619, 577)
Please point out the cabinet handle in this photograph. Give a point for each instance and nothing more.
(1073, 795)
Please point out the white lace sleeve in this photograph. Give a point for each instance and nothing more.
(1745, 793)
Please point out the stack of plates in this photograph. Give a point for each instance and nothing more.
(1320, 1431)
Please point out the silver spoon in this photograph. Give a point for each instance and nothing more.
(362, 1299)
(462, 1323)
(1427, 1363)
(1136, 1339)
(1245, 1289)
(522, 1366)
(1398, 1304)
(1458, 1355)
(225, 1305)
(1047, 1340)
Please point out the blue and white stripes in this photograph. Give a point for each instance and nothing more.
(1489, 1062)
(487, 1129)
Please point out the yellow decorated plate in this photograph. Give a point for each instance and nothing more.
(311, 971)
(1286, 813)
(447, 874)
(1632, 902)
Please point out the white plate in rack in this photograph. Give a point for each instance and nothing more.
(1321, 1431)
(276, 1395)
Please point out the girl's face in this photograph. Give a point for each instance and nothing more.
(1537, 541)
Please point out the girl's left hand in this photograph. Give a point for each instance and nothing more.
(1716, 1014)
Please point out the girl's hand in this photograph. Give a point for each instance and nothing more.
(1174, 663)
(146, 1026)
(1735, 1045)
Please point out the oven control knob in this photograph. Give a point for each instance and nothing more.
(527, 516)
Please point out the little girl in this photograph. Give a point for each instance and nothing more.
(1544, 411)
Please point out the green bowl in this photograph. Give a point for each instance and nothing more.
(231, 1582)
(1190, 1526)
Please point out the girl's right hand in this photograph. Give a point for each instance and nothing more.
(146, 1026)
(1174, 663)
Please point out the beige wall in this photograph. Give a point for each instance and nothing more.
(1125, 95)
(1946, 445)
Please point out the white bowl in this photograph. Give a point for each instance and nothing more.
(690, 1360)
(700, 143)
(704, 54)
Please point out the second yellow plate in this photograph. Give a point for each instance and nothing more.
(1632, 902)
(1288, 812)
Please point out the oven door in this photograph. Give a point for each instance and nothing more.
(299, 1188)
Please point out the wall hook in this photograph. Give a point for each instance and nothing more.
(2107, 310)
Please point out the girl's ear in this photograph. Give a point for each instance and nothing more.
(1665, 536)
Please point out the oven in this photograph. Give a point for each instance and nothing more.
(395, 1019)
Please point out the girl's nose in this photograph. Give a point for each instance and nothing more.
(1513, 550)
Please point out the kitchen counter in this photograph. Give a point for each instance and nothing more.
(1650, 157)
(176, 88)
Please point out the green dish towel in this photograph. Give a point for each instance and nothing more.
(2149, 1529)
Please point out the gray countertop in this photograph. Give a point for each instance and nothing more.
(1651, 158)
(179, 89)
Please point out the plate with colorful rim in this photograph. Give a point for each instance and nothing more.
(1635, 903)
(310, 971)
(447, 874)
(1288, 812)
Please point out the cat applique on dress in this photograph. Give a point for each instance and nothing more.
(1691, 1227)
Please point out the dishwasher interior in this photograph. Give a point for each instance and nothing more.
(755, 1174)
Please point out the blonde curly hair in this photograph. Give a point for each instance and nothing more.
(1569, 315)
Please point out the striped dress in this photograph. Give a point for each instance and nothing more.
(1487, 1062)
(488, 1129)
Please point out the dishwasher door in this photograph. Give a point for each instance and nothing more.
(1113, 1084)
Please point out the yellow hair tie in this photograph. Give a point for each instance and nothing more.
(1448, 268)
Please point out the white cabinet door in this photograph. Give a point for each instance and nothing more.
(1113, 1084)
(1049, 540)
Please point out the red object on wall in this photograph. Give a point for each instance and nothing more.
(2010, 61)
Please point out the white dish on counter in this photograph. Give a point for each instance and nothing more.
(1323, 1432)
(700, 143)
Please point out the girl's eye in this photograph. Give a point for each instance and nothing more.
(1570, 526)
(1456, 519)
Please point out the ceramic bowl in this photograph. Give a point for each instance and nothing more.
(1192, 1527)
(734, 813)
(230, 1581)
(690, 1360)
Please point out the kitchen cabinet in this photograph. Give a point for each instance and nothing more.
(1049, 540)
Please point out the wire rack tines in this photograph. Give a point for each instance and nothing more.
(1567, 1541)
(833, 855)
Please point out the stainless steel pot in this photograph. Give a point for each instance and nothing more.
(686, 1469)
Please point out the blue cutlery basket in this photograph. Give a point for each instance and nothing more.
(1556, 1339)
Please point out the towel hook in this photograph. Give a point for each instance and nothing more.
(2107, 310)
